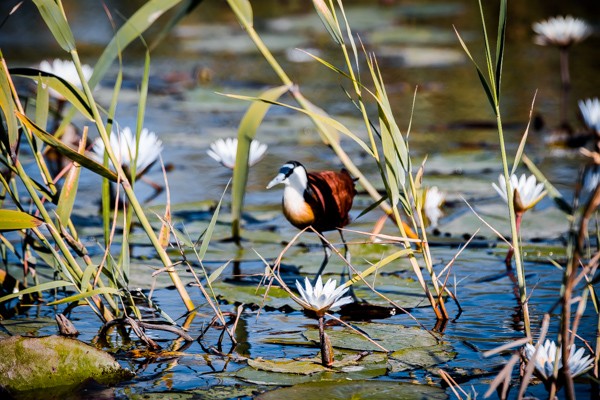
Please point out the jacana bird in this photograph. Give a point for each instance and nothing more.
(319, 199)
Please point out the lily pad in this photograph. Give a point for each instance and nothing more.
(252, 294)
(372, 390)
(287, 366)
(405, 292)
(419, 357)
(348, 365)
(390, 336)
(47, 362)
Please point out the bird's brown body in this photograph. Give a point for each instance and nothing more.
(321, 200)
(327, 201)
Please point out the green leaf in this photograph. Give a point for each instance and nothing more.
(552, 191)
(11, 220)
(329, 21)
(37, 288)
(68, 192)
(55, 19)
(500, 42)
(85, 295)
(246, 133)
(243, 9)
(66, 150)
(135, 26)
(325, 119)
(70, 92)
(7, 105)
(42, 105)
(484, 82)
(211, 227)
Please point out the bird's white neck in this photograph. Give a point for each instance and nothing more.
(296, 184)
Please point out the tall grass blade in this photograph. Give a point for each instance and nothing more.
(86, 295)
(8, 107)
(42, 105)
(73, 94)
(11, 220)
(211, 227)
(329, 21)
(68, 193)
(554, 194)
(135, 26)
(244, 10)
(55, 19)
(186, 8)
(246, 133)
(65, 150)
(324, 119)
(500, 41)
(486, 85)
(37, 288)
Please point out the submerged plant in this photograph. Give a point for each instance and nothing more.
(320, 299)
(527, 193)
(224, 151)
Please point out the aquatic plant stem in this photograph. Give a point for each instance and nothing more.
(133, 201)
(513, 227)
(565, 80)
(511, 251)
(326, 349)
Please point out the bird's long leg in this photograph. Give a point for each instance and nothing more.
(347, 271)
(327, 251)
(347, 256)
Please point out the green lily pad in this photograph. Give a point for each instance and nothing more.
(372, 390)
(251, 294)
(405, 292)
(419, 357)
(47, 362)
(287, 366)
(392, 337)
(347, 364)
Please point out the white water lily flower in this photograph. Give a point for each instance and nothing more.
(561, 31)
(548, 354)
(123, 145)
(322, 298)
(590, 111)
(433, 201)
(224, 151)
(529, 191)
(66, 70)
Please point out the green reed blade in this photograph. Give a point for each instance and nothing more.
(8, 107)
(86, 295)
(55, 19)
(131, 30)
(66, 150)
(329, 21)
(11, 220)
(246, 133)
(73, 94)
(37, 288)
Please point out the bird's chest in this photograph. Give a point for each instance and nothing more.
(296, 209)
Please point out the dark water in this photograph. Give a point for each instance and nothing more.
(450, 126)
